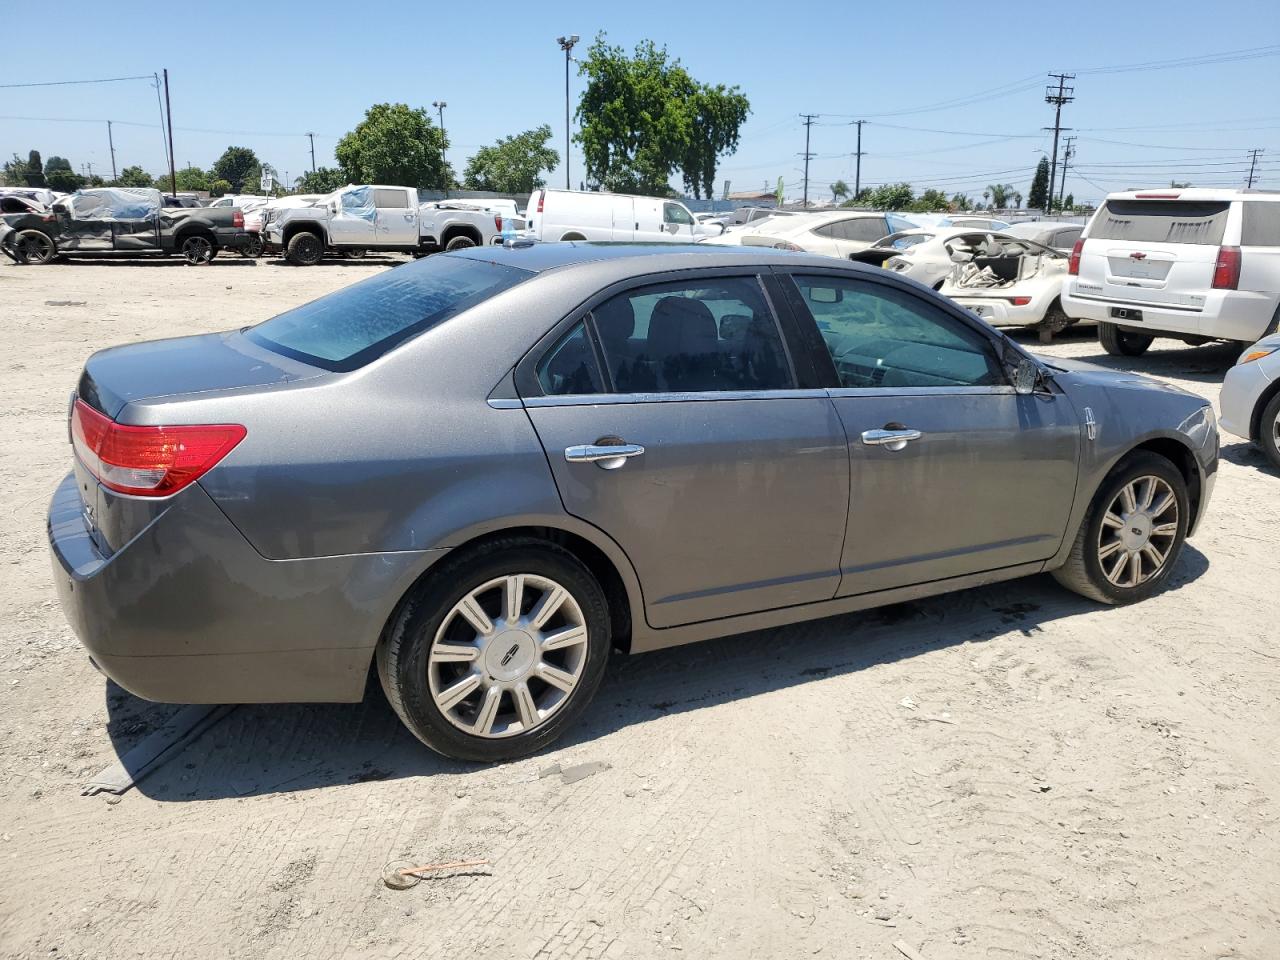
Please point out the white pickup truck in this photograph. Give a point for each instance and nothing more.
(367, 217)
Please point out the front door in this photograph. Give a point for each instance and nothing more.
(353, 218)
(951, 471)
(728, 490)
(397, 221)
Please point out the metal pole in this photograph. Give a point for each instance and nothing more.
(112, 144)
(1066, 159)
(173, 174)
(440, 105)
(312, 136)
(1253, 163)
(1062, 96)
(857, 175)
(566, 44)
(808, 124)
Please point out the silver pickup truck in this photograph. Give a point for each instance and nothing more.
(371, 217)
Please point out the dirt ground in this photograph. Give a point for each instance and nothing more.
(1007, 772)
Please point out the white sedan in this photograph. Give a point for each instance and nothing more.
(1250, 399)
(839, 233)
(1012, 283)
(928, 254)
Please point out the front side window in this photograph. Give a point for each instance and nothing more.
(347, 329)
(709, 334)
(570, 367)
(882, 337)
(674, 213)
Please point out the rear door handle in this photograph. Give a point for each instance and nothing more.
(607, 457)
(890, 439)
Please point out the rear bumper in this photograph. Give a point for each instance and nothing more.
(188, 612)
(1226, 315)
(1241, 388)
(1002, 313)
(232, 239)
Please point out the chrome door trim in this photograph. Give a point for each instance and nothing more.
(996, 391)
(890, 439)
(504, 403)
(609, 456)
(611, 399)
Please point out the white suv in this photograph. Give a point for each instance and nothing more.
(1194, 264)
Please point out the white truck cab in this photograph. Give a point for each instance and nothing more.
(1193, 264)
(586, 215)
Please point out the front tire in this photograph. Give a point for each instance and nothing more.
(498, 652)
(1269, 431)
(305, 249)
(1133, 533)
(1122, 343)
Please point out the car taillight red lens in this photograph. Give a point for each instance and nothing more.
(1226, 272)
(1073, 265)
(1019, 301)
(542, 195)
(148, 461)
(237, 218)
(497, 222)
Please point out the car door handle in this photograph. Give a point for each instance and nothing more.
(606, 456)
(890, 439)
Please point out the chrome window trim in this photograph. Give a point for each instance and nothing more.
(505, 403)
(998, 390)
(707, 396)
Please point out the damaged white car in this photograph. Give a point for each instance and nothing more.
(927, 254)
(1011, 283)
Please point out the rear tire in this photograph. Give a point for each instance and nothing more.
(1101, 565)
(34, 247)
(1269, 431)
(356, 253)
(253, 248)
(433, 649)
(1054, 322)
(1122, 343)
(198, 249)
(305, 249)
(460, 242)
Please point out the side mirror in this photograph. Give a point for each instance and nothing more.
(1026, 374)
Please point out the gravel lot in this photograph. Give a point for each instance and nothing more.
(1071, 781)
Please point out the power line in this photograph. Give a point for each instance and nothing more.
(1229, 56)
(65, 83)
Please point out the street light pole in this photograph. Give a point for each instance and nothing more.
(566, 44)
(440, 105)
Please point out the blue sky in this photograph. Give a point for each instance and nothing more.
(287, 68)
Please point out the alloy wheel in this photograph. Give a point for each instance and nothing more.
(507, 656)
(197, 250)
(34, 247)
(1139, 530)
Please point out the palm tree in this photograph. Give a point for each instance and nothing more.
(1017, 199)
(839, 190)
(986, 195)
(999, 194)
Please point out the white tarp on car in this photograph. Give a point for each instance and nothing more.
(358, 202)
(114, 204)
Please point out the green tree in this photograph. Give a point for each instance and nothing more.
(931, 201)
(56, 163)
(192, 178)
(35, 170)
(889, 196)
(1000, 194)
(960, 201)
(134, 177)
(239, 166)
(513, 164)
(642, 117)
(396, 144)
(1069, 202)
(15, 172)
(63, 180)
(322, 180)
(1038, 198)
(839, 191)
(218, 188)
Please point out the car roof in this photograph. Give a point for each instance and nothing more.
(1195, 193)
(541, 257)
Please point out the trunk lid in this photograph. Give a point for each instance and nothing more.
(181, 367)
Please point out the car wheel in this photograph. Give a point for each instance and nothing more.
(1122, 343)
(1133, 533)
(459, 243)
(497, 652)
(34, 247)
(253, 248)
(198, 250)
(1269, 431)
(305, 249)
(1054, 322)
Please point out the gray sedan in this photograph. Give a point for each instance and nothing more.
(483, 471)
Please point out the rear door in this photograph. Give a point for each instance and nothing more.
(951, 471)
(1153, 251)
(729, 490)
(396, 217)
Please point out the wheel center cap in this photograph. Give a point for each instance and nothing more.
(509, 655)
(1136, 533)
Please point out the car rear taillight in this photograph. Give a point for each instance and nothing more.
(1019, 301)
(1226, 271)
(497, 222)
(237, 218)
(542, 195)
(1073, 265)
(148, 461)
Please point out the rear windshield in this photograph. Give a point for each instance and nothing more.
(353, 326)
(1161, 221)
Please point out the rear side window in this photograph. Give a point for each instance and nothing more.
(396, 199)
(1161, 221)
(347, 329)
(570, 366)
(1261, 224)
(863, 229)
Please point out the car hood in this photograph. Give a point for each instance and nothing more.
(183, 366)
(1068, 372)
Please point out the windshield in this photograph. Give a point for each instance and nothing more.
(348, 329)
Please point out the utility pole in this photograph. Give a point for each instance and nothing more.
(440, 105)
(808, 123)
(312, 137)
(1059, 97)
(566, 44)
(173, 174)
(111, 143)
(857, 170)
(1068, 153)
(1253, 163)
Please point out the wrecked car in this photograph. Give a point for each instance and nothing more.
(120, 220)
(1010, 283)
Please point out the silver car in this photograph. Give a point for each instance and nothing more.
(483, 471)
(1250, 399)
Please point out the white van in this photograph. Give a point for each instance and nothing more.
(1193, 264)
(586, 215)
